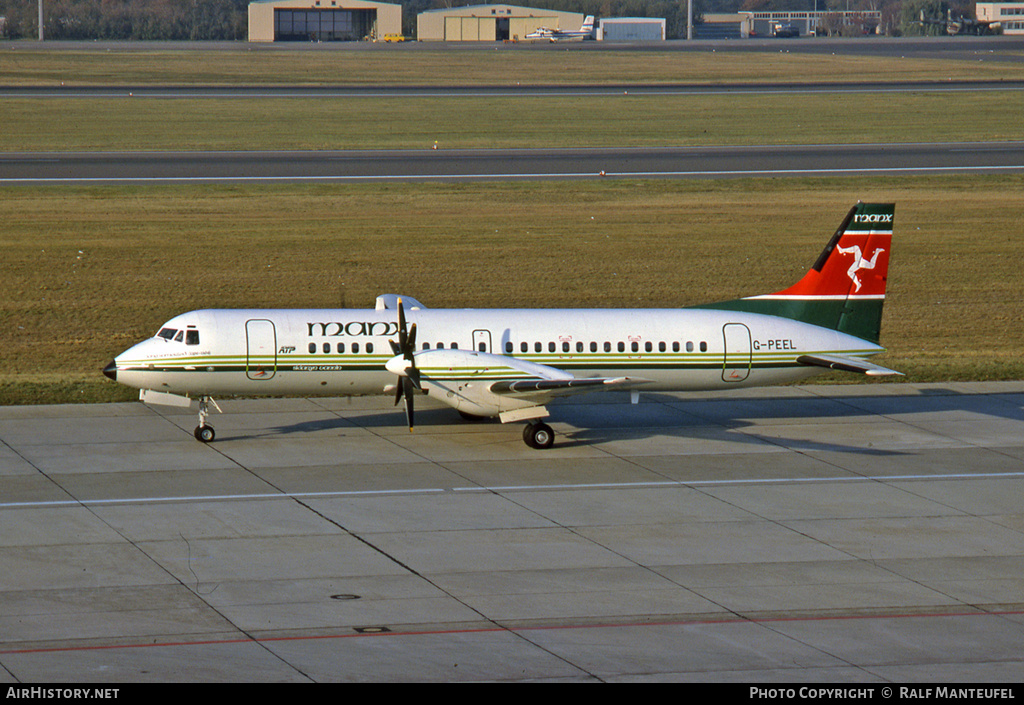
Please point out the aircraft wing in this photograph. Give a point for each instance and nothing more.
(489, 384)
(564, 387)
(847, 364)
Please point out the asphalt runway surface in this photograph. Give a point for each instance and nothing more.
(865, 534)
(455, 165)
(519, 90)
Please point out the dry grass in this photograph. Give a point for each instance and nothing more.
(213, 124)
(425, 65)
(87, 272)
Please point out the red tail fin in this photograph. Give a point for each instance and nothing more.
(845, 289)
(855, 263)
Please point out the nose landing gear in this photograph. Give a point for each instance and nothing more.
(203, 432)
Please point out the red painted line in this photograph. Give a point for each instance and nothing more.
(438, 632)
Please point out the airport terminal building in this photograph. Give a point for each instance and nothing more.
(322, 20)
(1007, 16)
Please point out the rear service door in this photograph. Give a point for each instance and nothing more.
(738, 351)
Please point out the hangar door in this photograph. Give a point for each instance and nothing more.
(470, 29)
(323, 25)
(519, 27)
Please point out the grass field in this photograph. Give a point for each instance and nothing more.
(505, 65)
(244, 124)
(88, 271)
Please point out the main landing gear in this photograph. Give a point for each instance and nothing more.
(204, 432)
(538, 435)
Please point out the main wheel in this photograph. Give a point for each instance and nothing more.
(204, 433)
(539, 436)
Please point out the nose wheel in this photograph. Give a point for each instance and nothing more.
(204, 433)
(538, 435)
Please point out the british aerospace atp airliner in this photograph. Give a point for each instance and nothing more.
(512, 363)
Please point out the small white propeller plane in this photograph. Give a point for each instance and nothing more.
(586, 31)
(510, 363)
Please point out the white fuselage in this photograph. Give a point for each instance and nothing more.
(241, 352)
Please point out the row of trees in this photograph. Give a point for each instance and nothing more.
(227, 19)
(127, 19)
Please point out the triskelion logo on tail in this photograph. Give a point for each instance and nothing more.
(859, 262)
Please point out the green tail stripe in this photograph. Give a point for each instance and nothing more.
(861, 318)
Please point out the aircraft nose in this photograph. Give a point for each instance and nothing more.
(111, 370)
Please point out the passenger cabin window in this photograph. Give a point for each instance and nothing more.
(508, 347)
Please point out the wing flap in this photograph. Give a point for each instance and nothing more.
(564, 386)
(847, 364)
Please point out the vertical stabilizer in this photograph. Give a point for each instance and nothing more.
(845, 289)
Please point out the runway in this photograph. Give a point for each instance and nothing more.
(519, 90)
(506, 164)
(856, 533)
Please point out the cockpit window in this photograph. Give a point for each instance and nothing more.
(189, 337)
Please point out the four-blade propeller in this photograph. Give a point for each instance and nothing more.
(404, 364)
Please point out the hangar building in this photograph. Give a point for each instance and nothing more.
(631, 29)
(322, 20)
(490, 23)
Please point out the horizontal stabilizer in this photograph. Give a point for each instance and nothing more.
(847, 364)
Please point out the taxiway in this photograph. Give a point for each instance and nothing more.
(864, 533)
